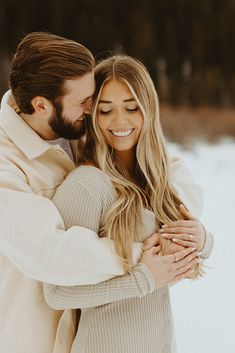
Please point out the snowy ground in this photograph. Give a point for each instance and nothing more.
(204, 310)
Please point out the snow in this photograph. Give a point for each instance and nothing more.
(204, 310)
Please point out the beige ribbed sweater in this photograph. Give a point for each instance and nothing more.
(124, 314)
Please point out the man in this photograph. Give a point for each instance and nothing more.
(52, 82)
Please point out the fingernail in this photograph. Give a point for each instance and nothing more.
(175, 240)
(164, 226)
(193, 249)
(162, 230)
(164, 235)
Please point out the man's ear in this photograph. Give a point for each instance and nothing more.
(42, 105)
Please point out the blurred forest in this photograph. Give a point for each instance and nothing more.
(188, 46)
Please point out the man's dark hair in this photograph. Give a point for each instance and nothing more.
(41, 64)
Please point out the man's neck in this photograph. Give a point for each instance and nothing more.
(39, 125)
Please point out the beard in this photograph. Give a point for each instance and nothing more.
(62, 127)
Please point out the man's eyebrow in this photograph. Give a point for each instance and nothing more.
(103, 101)
(85, 99)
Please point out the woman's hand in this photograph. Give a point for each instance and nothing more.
(169, 269)
(188, 232)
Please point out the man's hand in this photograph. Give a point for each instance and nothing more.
(169, 269)
(188, 232)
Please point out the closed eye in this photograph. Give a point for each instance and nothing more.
(104, 112)
(132, 109)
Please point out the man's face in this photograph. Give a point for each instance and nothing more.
(68, 117)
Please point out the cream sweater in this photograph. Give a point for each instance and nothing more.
(125, 314)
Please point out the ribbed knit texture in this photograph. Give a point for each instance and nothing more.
(124, 314)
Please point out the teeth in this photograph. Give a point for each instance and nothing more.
(122, 133)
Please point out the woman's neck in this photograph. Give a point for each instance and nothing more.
(127, 159)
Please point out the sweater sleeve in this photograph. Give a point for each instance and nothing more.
(138, 283)
(76, 191)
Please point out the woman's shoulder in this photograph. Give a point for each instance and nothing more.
(89, 174)
(92, 179)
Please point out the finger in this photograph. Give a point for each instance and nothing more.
(180, 236)
(182, 223)
(186, 214)
(184, 275)
(187, 267)
(178, 230)
(184, 243)
(179, 255)
(151, 241)
(185, 261)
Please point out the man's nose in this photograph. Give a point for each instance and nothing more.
(88, 106)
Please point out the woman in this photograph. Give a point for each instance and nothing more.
(122, 190)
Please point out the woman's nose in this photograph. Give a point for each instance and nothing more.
(119, 115)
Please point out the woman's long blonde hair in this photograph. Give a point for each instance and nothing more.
(123, 221)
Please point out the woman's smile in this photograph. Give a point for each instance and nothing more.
(121, 133)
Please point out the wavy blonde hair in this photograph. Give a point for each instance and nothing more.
(124, 220)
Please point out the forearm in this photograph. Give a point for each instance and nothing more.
(182, 183)
(137, 284)
(32, 236)
(191, 195)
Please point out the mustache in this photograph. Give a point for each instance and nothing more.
(87, 116)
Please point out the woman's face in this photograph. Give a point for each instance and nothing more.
(119, 116)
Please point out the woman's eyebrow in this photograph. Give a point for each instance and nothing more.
(129, 100)
(125, 100)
